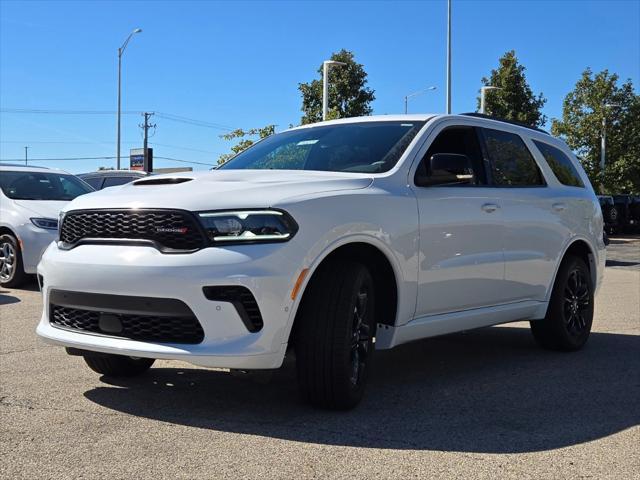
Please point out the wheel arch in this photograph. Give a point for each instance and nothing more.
(382, 267)
(578, 247)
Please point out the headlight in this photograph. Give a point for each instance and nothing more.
(248, 226)
(46, 223)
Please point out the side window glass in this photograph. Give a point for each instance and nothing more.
(95, 182)
(454, 158)
(512, 165)
(113, 181)
(561, 165)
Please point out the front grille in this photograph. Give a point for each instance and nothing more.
(147, 328)
(168, 230)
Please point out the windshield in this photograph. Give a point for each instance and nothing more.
(41, 186)
(366, 147)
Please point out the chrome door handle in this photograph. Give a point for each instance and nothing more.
(490, 207)
(558, 207)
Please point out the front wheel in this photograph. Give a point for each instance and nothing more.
(118, 365)
(11, 269)
(334, 335)
(570, 314)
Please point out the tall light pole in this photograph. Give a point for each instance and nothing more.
(603, 138)
(448, 56)
(483, 91)
(325, 85)
(26, 157)
(120, 52)
(414, 94)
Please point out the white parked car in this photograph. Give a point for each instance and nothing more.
(30, 201)
(330, 240)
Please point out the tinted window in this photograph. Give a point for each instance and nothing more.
(42, 186)
(351, 147)
(511, 162)
(95, 182)
(455, 140)
(562, 166)
(113, 181)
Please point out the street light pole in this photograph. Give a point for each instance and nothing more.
(448, 56)
(483, 91)
(26, 158)
(414, 94)
(120, 52)
(325, 85)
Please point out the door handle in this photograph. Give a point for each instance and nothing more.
(558, 207)
(490, 207)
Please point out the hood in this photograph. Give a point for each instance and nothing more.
(220, 189)
(42, 208)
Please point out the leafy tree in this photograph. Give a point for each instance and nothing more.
(594, 98)
(349, 95)
(244, 142)
(515, 99)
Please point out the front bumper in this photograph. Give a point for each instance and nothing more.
(268, 271)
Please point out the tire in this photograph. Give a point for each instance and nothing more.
(334, 336)
(118, 365)
(11, 267)
(567, 324)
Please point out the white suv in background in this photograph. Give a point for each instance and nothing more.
(330, 240)
(30, 201)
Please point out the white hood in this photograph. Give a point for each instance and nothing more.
(222, 189)
(43, 208)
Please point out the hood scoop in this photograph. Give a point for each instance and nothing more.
(161, 181)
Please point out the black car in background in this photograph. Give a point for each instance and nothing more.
(111, 178)
(628, 212)
(609, 213)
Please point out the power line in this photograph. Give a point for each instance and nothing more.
(99, 158)
(192, 121)
(66, 112)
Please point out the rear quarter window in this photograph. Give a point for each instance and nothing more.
(561, 165)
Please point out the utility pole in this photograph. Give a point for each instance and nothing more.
(448, 56)
(146, 126)
(26, 157)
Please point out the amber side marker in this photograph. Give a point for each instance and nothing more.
(296, 287)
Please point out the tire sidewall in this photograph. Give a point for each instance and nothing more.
(17, 275)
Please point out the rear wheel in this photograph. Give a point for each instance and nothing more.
(334, 335)
(11, 268)
(118, 365)
(570, 314)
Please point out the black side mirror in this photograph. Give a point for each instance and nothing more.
(445, 168)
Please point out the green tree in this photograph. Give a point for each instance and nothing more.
(596, 98)
(515, 99)
(244, 142)
(349, 95)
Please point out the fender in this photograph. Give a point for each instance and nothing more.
(404, 294)
(592, 262)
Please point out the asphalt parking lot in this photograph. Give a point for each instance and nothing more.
(480, 404)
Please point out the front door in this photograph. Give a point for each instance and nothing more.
(461, 229)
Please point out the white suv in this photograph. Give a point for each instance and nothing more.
(333, 239)
(30, 200)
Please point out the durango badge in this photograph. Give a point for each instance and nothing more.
(171, 229)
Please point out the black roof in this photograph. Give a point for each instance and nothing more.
(497, 119)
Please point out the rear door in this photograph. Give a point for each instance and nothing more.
(534, 230)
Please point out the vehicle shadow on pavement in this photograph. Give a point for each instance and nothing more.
(489, 390)
(7, 299)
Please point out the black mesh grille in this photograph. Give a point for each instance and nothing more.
(168, 229)
(149, 328)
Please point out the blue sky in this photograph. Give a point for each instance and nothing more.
(238, 64)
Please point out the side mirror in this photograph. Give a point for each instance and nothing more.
(445, 168)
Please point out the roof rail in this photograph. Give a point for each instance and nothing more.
(497, 119)
(3, 164)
